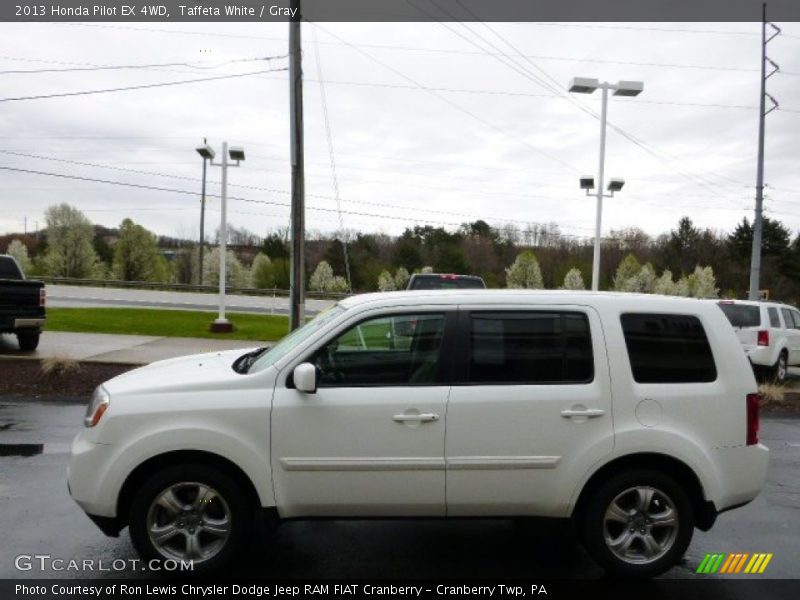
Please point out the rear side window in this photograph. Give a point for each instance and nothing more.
(665, 348)
(530, 347)
(742, 315)
(774, 319)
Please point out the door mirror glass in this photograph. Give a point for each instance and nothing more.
(305, 378)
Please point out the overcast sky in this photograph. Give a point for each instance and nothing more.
(430, 123)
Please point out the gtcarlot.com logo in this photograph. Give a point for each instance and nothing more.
(736, 563)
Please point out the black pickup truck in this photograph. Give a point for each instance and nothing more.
(21, 304)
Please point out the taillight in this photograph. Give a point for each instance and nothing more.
(42, 297)
(753, 424)
(763, 338)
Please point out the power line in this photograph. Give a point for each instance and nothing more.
(453, 104)
(136, 66)
(137, 87)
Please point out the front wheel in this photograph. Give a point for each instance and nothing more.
(638, 524)
(191, 513)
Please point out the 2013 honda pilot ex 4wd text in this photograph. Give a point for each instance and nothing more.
(634, 416)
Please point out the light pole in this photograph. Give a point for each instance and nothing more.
(584, 85)
(221, 324)
(208, 154)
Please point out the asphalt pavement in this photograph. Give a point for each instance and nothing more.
(39, 517)
(73, 296)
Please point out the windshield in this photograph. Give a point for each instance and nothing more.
(742, 315)
(283, 347)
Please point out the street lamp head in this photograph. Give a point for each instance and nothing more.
(615, 184)
(629, 88)
(587, 182)
(583, 85)
(206, 151)
(236, 153)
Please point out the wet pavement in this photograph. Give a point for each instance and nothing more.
(37, 516)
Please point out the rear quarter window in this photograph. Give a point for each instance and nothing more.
(742, 315)
(774, 319)
(667, 348)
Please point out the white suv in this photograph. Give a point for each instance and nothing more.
(634, 416)
(769, 333)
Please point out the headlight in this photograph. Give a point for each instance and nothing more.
(97, 406)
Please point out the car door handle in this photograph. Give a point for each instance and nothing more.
(420, 418)
(585, 412)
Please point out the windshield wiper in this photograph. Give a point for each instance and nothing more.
(245, 361)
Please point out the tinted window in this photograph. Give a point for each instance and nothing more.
(774, 320)
(742, 315)
(439, 282)
(385, 351)
(529, 347)
(9, 269)
(796, 318)
(668, 348)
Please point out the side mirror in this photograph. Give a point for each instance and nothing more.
(305, 378)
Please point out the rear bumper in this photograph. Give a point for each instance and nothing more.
(742, 472)
(760, 355)
(12, 324)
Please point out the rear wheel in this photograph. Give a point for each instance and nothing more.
(191, 513)
(638, 524)
(780, 370)
(28, 340)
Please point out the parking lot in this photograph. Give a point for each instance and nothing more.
(34, 445)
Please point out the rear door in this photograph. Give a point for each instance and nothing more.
(530, 407)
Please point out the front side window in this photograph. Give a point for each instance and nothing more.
(796, 319)
(529, 347)
(383, 351)
(665, 348)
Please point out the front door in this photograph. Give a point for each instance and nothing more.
(370, 441)
(529, 411)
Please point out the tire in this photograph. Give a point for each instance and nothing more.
(201, 514)
(780, 370)
(624, 510)
(28, 341)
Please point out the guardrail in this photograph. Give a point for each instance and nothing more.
(184, 287)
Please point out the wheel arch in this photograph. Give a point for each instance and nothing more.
(704, 510)
(168, 459)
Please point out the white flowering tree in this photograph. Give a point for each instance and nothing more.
(235, 274)
(627, 270)
(386, 282)
(702, 283)
(525, 272)
(401, 278)
(664, 285)
(573, 280)
(20, 252)
(321, 278)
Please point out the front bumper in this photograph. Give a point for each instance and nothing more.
(85, 477)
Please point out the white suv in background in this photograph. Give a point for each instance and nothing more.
(634, 416)
(769, 333)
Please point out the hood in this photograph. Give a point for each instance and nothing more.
(213, 370)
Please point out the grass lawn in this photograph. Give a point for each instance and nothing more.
(172, 323)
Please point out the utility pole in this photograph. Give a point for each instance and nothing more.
(26, 225)
(297, 284)
(755, 258)
(202, 220)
